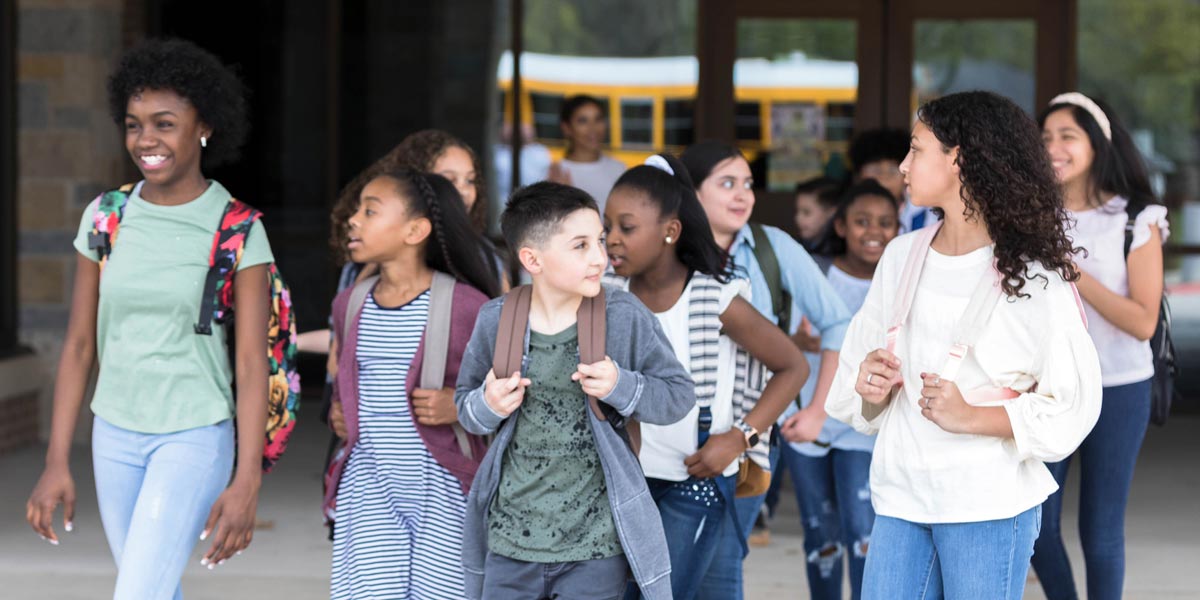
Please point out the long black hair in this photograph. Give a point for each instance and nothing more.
(675, 196)
(1007, 179)
(454, 247)
(701, 158)
(1117, 167)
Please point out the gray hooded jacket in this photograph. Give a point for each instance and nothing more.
(652, 387)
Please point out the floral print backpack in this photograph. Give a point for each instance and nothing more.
(216, 306)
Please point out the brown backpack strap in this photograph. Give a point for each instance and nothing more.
(510, 335)
(592, 327)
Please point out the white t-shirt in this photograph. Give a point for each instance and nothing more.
(1036, 345)
(1101, 231)
(664, 447)
(595, 178)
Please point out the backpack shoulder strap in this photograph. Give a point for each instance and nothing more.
(358, 297)
(510, 334)
(768, 262)
(216, 304)
(437, 346)
(437, 331)
(909, 278)
(106, 222)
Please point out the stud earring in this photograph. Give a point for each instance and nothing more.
(669, 239)
(203, 142)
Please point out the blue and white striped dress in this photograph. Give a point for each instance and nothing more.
(399, 523)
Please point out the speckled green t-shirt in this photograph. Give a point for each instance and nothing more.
(552, 503)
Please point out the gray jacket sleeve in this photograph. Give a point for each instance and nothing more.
(652, 386)
(473, 412)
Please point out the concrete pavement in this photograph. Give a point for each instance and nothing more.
(291, 559)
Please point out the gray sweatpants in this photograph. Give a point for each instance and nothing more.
(508, 579)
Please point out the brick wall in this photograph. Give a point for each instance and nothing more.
(68, 151)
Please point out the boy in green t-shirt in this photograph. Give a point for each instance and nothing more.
(559, 507)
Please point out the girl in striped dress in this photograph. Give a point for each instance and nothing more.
(660, 240)
(400, 491)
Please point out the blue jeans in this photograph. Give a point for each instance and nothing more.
(155, 492)
(1106, 457)
(960, 561)
(694, 518)
(834, 495)
(723, 581)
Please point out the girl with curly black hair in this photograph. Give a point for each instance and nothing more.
(1115, 217)
(660, 242)
(163, 438)
(971, 359)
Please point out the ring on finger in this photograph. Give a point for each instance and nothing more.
(937, 381)
(869, 376)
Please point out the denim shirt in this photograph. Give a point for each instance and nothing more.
(812, 296)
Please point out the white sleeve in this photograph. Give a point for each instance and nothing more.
(866, 333)
(1154, 215)
(1051, 421)
(733, 289)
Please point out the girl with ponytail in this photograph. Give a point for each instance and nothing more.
(661, 245)
(398, 490)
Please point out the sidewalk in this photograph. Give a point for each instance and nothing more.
(291, 560)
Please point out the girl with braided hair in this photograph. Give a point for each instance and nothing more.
(399, 491)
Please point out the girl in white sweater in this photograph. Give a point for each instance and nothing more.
(970, 357)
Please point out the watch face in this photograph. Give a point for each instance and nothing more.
(753, 440)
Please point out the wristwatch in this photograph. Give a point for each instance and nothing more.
(749, 431)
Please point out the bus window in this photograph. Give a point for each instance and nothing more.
(679, 128)
(748, 122)
(637, 122)
(545, 116)
(839, 121)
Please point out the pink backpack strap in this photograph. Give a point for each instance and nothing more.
(909, 278)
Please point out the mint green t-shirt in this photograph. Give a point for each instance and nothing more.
(157, 375)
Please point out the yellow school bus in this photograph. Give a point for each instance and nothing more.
(651, 101)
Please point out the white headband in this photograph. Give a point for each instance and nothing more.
(660, 163)
(1077, 99)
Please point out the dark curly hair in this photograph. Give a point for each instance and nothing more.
(417, 152)
(195, 74)
(878, 144)
(1007, 180)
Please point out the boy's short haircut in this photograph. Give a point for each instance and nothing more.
(878, 144)
(827, 190)
(535, 213)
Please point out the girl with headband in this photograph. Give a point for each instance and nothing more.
(1114, 216)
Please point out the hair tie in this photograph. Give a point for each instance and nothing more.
(1077, 99)
(660, 163)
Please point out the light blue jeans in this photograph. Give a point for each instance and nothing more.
(959, 561)
(155, 492)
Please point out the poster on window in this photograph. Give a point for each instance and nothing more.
(797, 134)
